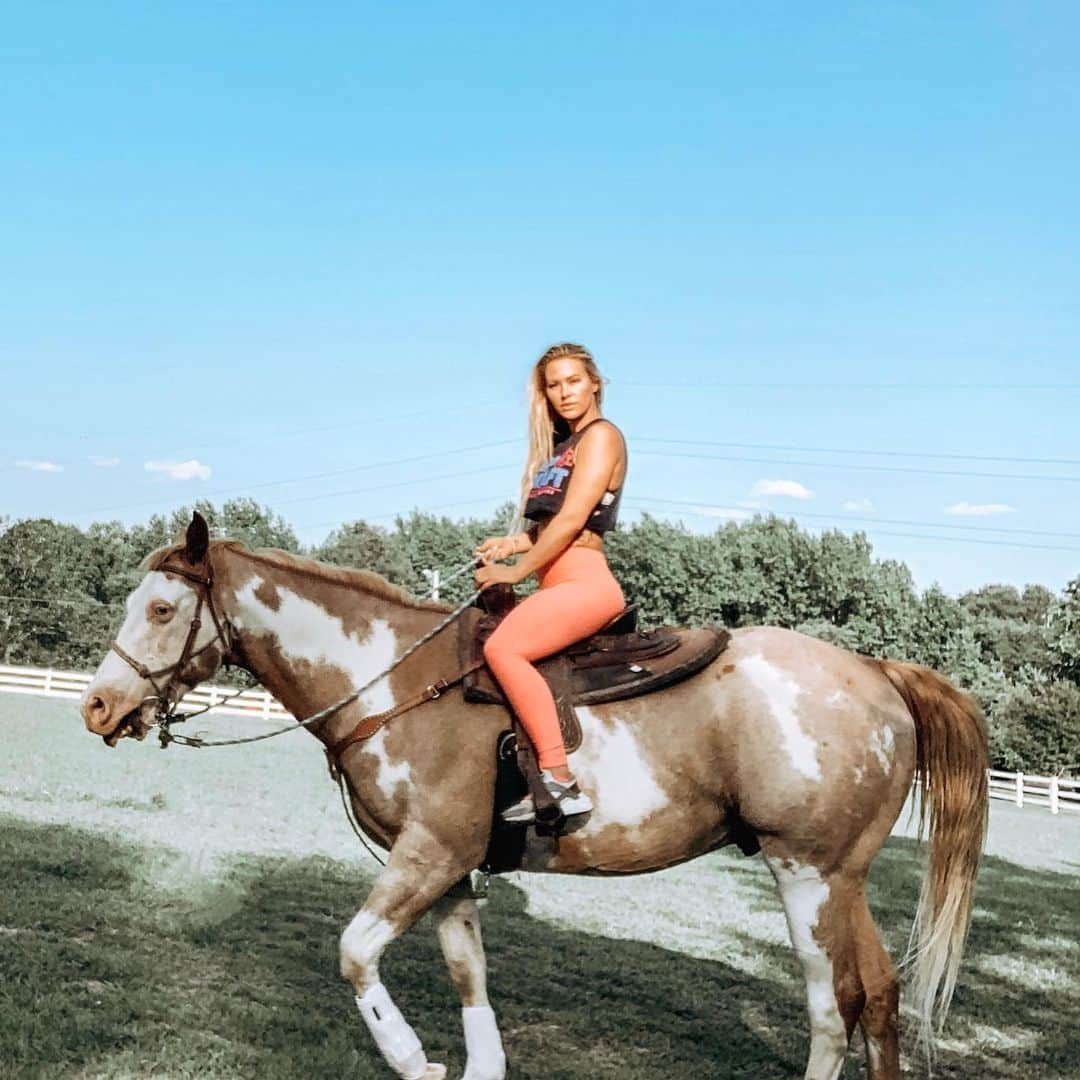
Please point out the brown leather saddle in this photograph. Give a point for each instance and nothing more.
(616, 663)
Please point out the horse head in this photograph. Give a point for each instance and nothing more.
(165, 646)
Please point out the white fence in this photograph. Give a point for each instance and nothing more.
(71, 684)
(1056, 792)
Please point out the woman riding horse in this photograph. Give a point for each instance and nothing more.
(570, 493)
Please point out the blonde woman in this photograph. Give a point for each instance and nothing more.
(571, 494)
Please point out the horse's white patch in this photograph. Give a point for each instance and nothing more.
(804, 892)
(361, 946)
(611, 767)
(150, 643)
(389, 775)
(881, 744)
(838, 699)
(307, 631)
(781, 692)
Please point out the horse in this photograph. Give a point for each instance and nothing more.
(812, 748)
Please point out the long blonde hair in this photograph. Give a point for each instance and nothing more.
(542, 418)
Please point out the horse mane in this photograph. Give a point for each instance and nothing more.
(366, 581)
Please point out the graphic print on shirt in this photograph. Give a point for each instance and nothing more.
(553, 472)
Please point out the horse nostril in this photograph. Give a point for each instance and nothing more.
(96, 710)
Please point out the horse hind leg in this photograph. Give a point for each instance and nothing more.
(818, 910)
(457, 923)
(879, 1019)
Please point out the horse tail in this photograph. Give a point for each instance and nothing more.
(951, 773)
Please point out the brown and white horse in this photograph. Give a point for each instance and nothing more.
(813, 748)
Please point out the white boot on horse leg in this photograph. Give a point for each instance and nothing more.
(361, 946)
(457, 922)
(814, 916)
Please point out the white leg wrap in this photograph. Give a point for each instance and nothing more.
(393, 1036)
(486, 1061)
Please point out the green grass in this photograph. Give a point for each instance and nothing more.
(176, 914)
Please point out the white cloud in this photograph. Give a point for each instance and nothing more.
(180, 470)
(728, 513)
(104, 462)
(859, 506)
(39, 466)
(792, 489)
(980, 509)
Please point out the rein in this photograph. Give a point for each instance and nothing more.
(167, 715)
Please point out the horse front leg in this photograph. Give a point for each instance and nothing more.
(457, 922)
(414, 878)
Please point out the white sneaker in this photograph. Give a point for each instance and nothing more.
(570, 799)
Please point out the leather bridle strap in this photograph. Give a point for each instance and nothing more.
(189, 652)
(367, 726)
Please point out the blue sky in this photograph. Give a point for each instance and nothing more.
(832, 252)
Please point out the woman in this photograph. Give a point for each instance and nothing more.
(571, 495)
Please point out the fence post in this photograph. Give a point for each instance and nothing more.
(1019, 789)
(1053, 794)
(266, 705)
(48, 681)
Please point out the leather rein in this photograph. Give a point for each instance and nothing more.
(166, 715)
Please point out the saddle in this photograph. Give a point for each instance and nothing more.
(617, 662)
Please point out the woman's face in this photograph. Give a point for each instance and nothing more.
(570, 391)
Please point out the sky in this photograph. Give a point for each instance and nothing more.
(826, 260)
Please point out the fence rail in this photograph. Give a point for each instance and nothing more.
(1057, 793)
(71, 684)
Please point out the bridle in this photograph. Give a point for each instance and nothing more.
(165, 710)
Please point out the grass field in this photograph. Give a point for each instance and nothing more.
(176, 915)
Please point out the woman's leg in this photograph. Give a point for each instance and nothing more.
(553, 617)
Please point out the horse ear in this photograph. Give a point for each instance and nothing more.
(197, 539)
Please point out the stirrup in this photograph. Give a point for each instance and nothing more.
(523, 812)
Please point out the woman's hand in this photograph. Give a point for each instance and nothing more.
(495, 548)
(497, 575)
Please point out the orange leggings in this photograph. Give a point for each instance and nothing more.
(577, 596)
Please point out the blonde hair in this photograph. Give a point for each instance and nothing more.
(542, 418)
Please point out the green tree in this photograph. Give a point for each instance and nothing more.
(51, 581)
(368, 547)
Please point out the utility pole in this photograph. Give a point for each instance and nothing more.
(433, 578)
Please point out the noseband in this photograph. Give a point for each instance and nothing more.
(165, 711)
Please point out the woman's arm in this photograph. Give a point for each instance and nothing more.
(495, 548)
(597, 455)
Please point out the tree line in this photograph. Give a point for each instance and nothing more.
(1017, 651)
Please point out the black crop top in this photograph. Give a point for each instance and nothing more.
(549, 487)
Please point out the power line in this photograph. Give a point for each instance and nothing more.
(872, 520)
(834, 387)
(394, 484)
(311, 476)
(863, 468)
(953, 539)
(861, 453)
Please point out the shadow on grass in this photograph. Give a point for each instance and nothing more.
(103, 975)
(1016, 1010)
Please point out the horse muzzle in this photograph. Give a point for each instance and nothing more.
(104, 717)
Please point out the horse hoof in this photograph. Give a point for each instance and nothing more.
(434, 1072)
